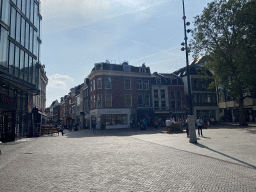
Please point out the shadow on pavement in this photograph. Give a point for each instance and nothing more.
(247, 164)
(114, 132)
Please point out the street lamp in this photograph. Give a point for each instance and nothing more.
(191, 118)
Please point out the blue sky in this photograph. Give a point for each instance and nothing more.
(76, 34)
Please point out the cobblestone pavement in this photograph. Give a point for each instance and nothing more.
(131, 160)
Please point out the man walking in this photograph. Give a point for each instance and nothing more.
(199, 126)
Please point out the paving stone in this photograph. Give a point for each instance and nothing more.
(130, 160)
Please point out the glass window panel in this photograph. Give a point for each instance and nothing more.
(162, 94)
(39, 53)
(147, 100)
(128, 100)
(11, 58)
(31, 39)
(22, 40)
(19, 4)
(32, 11)
(35, 15)
(108, 84)
(13, 24)
(14, 1)
(3, 49)
(17, 61)
(31, 70)
(28, 9)
(5, 11)
(23, 6)
(27, 36)
(21, 64)
(26, 67)
(18, 27)
(35, 46)
(127, 84)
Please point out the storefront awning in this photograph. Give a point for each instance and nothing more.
(21, 84)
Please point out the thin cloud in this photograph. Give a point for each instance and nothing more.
(59, 81)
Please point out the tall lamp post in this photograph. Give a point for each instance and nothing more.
(191, 118)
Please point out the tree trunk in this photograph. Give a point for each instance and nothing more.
(242, 119)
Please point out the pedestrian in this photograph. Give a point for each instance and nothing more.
(250, 118)
(187, 129)
(199, 126)
(144, 124)
(60, 130)
(94, 125)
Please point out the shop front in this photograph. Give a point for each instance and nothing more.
(111, 118)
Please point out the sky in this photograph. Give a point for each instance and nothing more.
(76, 34)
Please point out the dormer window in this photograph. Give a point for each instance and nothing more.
(126, 68)
(158, 81)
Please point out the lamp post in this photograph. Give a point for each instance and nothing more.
(191, 117)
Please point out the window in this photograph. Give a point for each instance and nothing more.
(99, 83)
(94, 101)
(162, 94)
(178, 104)
(108, 100)
(203, 84)
(147, 100)
(127, 84)
(93, 84)
(174, 82)
(155, 93)
(108, 84)
(156, 104)
(99, 100)
(195, 98)
(163, 104)
(139, 84)
(173, 104)
(146, 84)
(158, 81)
(140, 100)
(172, 94)
(178, 95)
(128, 100)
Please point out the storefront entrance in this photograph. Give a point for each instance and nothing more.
(7, 126)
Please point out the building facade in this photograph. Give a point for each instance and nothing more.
(116, 93)
(20, 41)
(204, 100)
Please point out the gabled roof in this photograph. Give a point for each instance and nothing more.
(195, 67)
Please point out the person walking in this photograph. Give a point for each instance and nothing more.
(94, 127)
(187, 129)
(199, 126)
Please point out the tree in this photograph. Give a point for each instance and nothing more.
(226, 32)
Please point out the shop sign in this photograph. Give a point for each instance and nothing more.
(7, 102)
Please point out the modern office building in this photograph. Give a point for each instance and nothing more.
(20, 41)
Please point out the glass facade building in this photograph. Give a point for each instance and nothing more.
(20, 42)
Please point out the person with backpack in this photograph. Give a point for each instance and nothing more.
(199, 126)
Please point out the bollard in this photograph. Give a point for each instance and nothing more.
(192, 129)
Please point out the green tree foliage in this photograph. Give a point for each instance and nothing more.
(226, 32)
